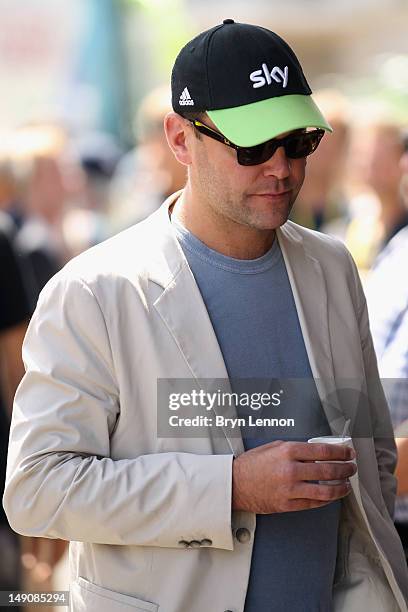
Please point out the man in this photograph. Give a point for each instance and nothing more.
(215, 285)
(14, 313)
(37, 554)
(322, 204)
(149, 173)
(387, 297)
(377, 211)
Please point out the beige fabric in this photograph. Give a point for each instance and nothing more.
(85, 463)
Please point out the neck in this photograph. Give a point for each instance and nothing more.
(220, 233)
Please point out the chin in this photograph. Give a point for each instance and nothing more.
(270, 221)
(274, 226)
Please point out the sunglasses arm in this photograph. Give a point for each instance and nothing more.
(204, 129)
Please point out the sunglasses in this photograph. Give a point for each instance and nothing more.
(296, 145)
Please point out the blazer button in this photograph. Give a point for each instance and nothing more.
(195, 544)
(243, 535)
(184, 543)
(206, 542)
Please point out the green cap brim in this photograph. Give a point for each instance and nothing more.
(252, 124)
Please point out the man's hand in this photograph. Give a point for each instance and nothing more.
(274, 477)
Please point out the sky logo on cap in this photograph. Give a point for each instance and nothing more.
(265, 76)
(185, 98)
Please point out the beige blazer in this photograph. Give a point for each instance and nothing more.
(149, 519)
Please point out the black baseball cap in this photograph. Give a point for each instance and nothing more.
(248, 80)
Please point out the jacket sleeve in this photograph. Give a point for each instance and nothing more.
(61, 480)
(382, 429)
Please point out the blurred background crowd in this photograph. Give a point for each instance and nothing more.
(85, 87)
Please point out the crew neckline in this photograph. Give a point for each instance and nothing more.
(218, 260)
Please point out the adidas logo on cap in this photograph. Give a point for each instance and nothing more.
(185, 98)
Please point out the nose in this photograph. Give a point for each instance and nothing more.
(278, 165)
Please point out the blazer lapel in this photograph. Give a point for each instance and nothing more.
(310, 295)
(183, 311)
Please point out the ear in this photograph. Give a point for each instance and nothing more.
(175, 129)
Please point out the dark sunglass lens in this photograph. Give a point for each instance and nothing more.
(301, 145)
(249, 156)
(296, 146)
(244, 157)
(253, 156)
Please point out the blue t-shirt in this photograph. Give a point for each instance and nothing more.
(252, 310)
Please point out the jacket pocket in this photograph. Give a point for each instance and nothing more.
(88, 597)
(361, 583)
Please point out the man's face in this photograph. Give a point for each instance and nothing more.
(374, 157)
(260, 197)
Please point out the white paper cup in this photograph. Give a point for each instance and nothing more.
(346, 441)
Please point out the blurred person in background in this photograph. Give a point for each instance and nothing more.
(98, 154)
(38, 182)
(149, 173)
(323, 198)
(8, 190)
(387, 298)
(87, 223)
(44, 182)
(27, 563)
(377, 211)
(14, 314)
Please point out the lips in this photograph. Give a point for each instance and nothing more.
(273, 194)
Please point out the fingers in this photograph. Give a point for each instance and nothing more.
(323, 495)
(302, 451)
(325, 471)
(319, 492)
